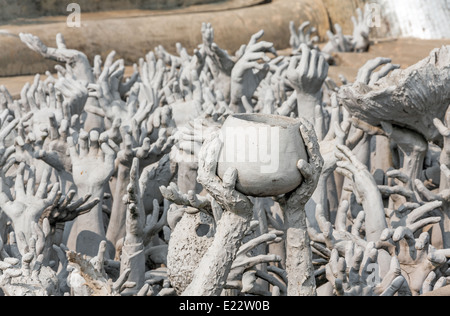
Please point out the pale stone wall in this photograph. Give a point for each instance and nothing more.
(424, 19)
(11, 9)
(133, 38)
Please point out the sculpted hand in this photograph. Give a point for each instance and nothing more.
(222, 191)
(248, 73)
(417, 257)
(303, 36)
(361, 30)
(76, 60)
(365, 190)
(307, 74)
(354, 275)
(29, 203)
(92, 151)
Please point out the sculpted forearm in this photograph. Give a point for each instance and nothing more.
(212, 272)
(301, 281)
(116, 229)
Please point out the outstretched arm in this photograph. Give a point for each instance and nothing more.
(92, 167)
(299, 266)
(133, 255)
(366, 191)
(306, 74)
(248, 73)
(213, 269)
(77, 60)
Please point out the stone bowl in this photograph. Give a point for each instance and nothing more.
(265, 150)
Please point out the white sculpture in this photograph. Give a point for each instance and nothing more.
(117, 186)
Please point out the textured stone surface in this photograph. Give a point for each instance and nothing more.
(188, 244)
(410, 98)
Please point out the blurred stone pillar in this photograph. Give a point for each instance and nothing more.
(341, 11)
(423, 19)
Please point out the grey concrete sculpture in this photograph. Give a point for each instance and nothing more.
(113, 185)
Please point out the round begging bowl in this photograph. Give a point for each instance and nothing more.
(265, 150)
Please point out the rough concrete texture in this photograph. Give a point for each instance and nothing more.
(183, 258)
